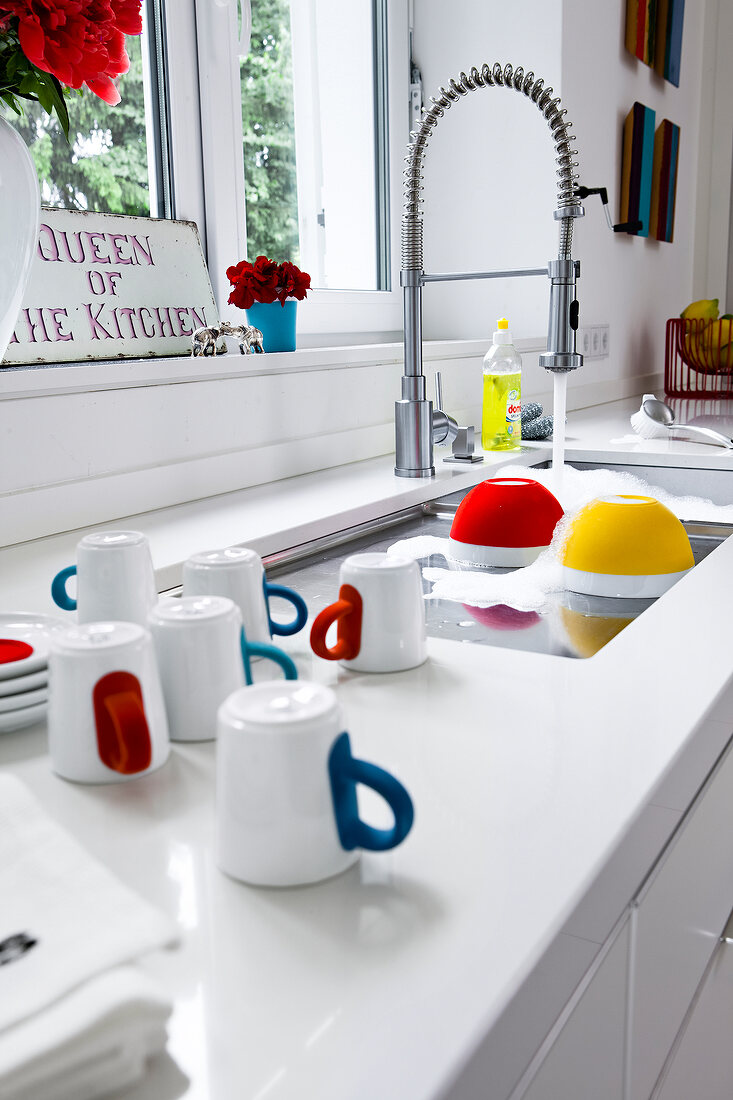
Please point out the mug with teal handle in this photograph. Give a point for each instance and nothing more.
(345, 771)
(286, 799)
(289, 594)
(238, 572)
(59, 595)
(264, 649)
(115, 579)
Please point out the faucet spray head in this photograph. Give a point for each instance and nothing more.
(561, 355)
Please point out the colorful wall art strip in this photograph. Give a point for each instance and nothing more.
(636, 168)
(654, 34)
(640, 26)
(668, 39)
(664, 183)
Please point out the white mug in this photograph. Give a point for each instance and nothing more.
(286, 805)
(380, 614)
(238, 573)
(106, 715)
(115, 579)
(198, 646)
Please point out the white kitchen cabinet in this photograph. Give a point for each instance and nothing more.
(673, 873)
(508, 1049)
(587, 1057)
(702, 1063)
(681, 913)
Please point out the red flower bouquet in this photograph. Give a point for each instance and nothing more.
(48, 46)
(265, 281)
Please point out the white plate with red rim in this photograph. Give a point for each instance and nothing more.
(10, 704)
(19, 719)
(19, 684)
(24, 642)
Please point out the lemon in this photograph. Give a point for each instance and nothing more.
(718, 333)
(704, 310)
(716, 341)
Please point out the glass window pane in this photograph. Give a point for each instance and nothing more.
(310, 140)
(269, 135)
(109, 163)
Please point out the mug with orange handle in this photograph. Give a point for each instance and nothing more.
(379, 616)
(106, 715)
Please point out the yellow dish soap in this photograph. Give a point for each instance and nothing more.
(501, 424)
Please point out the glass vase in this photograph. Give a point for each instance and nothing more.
(20, 210)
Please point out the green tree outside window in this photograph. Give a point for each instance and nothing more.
(106, 166)
(268, 125)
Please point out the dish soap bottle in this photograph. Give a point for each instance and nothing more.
(501, 424)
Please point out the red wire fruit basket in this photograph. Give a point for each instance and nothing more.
(698, 358)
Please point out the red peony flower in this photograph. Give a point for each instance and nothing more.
(266, 281)
(78, 41)
(128, 16)
(293, 282)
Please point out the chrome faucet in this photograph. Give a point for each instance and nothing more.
(417, 425)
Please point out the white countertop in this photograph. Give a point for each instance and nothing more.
(525, 771)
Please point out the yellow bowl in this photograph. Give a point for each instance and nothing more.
(625, 546)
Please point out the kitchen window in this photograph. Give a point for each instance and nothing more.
(272, 124)
(299, 166)
(116, 158)
(193, 421)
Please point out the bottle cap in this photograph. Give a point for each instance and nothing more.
(502, 335)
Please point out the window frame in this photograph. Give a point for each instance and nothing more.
(209, 180)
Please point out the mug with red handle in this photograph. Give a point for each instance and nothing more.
(379, 616)
(106, 715)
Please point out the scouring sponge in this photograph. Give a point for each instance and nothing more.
(531, 411)
(540, 428)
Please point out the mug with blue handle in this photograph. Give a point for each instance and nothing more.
(238, 573)
(286, 803)
(203, 656)
(115, 579)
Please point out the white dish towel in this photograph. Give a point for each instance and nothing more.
(78, 1019)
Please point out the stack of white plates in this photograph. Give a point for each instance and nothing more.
(24, 645)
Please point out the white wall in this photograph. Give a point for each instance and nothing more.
(633, 283)
(489, 170)
(713, 266)
(475, 221)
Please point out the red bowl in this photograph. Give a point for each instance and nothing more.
(504, 522)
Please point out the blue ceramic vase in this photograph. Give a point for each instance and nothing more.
(276, 323)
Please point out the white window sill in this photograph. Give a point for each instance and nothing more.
(38, 380)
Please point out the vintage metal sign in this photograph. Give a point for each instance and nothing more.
(107, 286)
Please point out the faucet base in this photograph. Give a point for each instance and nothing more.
(428, 472)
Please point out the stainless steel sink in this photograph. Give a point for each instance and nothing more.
(574, 625)
(715, 484)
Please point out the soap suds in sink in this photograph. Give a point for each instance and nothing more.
(530, 588)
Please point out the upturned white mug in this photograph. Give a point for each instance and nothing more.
(198, 646)
(238, 573)
(380, 614)
(286, 805)
(106, 715)
(115, 579)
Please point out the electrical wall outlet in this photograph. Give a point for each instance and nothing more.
(593, 341)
